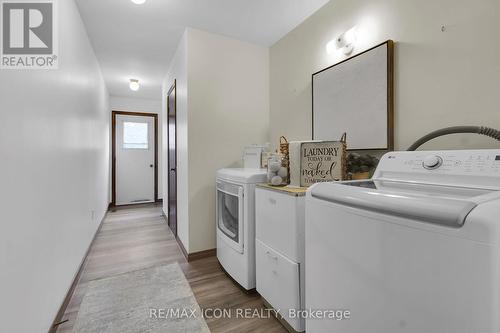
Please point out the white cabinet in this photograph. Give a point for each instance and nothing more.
(279, 217)
(278, 279)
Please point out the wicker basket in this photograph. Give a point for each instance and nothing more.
(284, 147)
(343, 139)
(285, 152)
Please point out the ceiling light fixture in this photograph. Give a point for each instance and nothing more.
(134, 85)
(138, 2)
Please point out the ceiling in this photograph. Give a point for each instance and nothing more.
(138, 41)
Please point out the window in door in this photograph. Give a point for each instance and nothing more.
(135, 135)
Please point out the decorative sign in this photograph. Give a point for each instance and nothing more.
(322, 162)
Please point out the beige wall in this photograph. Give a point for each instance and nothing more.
(442, 78)
(228, 110)
(222, 106)
(178, 71)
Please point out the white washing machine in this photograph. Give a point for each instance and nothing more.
(416, 249)
(235, 202)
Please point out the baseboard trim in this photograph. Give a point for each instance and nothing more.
(132, 205)
(58, 320)
(182, 248)
(195, 255)
(202, 255)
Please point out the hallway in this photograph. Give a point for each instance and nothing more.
(134, 238)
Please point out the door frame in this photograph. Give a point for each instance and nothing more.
(113, 150)
(174, 89)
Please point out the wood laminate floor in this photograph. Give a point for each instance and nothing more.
(133, 238)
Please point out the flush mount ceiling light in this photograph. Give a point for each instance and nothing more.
(138, 2)
(134, 84)
(344, 42)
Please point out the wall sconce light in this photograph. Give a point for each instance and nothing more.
(344, 42)
(134, 85)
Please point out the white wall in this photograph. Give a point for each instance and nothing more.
(178, 71)
(221, 108)
(54, 128)
(442, 78)
(120, 103)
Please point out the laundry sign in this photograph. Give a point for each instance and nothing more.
(322, 162)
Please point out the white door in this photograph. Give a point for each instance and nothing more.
(135, 159)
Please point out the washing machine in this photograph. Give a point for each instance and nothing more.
(235, 218)
(415, 249)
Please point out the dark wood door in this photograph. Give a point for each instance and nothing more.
(172, 158)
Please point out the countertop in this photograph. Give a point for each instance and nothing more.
(290, 190)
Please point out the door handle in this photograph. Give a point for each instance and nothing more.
(173, 169)
(151, 165)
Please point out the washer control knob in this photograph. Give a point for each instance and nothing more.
(432, 162)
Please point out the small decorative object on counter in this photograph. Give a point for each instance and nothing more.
(285, 152)
(266, 152)
(360, 166)
(323, 161)
(277, 170)
(265, 158)
(253, 156)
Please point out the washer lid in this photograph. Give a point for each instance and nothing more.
(427, 203)
(243, 176)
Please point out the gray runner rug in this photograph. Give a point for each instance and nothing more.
(157, 299)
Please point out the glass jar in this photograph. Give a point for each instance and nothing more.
(277, 170)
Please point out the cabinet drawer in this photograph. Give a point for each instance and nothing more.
(278, 281)
(279, 222)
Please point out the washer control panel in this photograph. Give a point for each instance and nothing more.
(456, 162)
